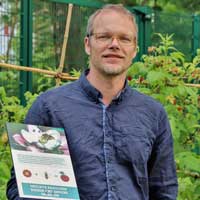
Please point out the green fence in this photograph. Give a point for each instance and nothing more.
(9, 44)
(184, 27)
(32, 35)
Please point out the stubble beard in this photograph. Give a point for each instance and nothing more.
(112, 70)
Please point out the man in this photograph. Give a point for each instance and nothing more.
(120, 140)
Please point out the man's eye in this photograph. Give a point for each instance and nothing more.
(125, 39)
(103, 37)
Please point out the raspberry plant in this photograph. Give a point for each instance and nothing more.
(164, 74)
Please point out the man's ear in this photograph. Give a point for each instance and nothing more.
(134, 54)
(135, 49)
(87, 45)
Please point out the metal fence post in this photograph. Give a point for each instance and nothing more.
(93, 4)
(143, 17)
(25, 47)
(195, 34)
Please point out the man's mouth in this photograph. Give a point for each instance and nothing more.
(113, 56)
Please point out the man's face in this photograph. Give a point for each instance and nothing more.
(112, 45)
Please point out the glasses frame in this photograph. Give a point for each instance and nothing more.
(111, 37)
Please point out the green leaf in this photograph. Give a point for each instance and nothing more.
(181, 90)
(178, 57)
(173, 122)
(5, 171)
(136, 69)
(189, 161)
(154, 77)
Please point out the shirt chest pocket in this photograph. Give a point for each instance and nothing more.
(132, 145)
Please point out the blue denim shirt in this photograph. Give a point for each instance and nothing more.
(123, 151)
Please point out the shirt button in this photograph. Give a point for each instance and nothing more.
(112, 188)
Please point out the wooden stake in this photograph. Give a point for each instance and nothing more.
(66, 35)
(64, 76)
(192, 85)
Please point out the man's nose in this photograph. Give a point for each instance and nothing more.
(114, 42)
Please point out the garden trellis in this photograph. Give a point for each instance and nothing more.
(57, 74)
(62, 76)
(53, 74)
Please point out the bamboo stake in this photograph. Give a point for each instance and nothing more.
(64, 46)
(192, 85)
(188, 173)
(64, 76)
(186, 84)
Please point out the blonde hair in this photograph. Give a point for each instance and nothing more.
(115, 7)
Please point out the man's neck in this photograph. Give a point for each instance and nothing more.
(109, 86)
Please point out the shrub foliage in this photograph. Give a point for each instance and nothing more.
(164, 74)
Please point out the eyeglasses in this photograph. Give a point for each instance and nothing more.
(107, 38)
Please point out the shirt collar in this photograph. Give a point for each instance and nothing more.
(96, 95)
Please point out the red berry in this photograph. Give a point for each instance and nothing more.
(129, 78)
(27, 173)
(6, 30)
(64, 178)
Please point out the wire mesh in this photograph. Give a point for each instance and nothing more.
(178, 25)
(48, 35)
(9, 44)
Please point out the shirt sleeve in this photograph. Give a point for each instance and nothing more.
(161, 166)
(37, 115)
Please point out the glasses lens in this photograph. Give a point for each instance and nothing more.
(107, 38)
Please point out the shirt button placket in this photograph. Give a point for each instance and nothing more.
(107, 150)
